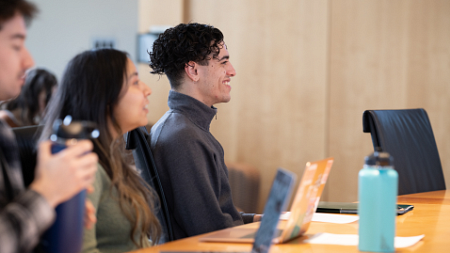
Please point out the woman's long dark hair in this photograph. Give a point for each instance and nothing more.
(90, 90)
(37, 81)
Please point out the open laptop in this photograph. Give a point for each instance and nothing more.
(303, 207)
(278, 199)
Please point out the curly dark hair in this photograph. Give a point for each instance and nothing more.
(179, 45)
(9, 8)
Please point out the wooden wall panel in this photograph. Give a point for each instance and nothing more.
(428, 69)
(367, 59)
(277, 115)
(384, 55)
(157, 13)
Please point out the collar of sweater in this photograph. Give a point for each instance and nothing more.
(199, 113)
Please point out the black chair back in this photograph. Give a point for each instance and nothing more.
(145, 163)
(407, 135)
(27, 138)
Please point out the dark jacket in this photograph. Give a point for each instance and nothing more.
(190, 163)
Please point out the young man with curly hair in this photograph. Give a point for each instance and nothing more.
(190, 161)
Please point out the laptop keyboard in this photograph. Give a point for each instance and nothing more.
(252, 235)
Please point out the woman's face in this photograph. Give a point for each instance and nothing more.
(131, 110)
(42, 99)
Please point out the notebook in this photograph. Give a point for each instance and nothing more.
(303, 207)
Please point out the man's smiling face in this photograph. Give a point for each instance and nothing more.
(215, 77)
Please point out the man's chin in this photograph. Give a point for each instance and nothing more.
(224, 101)
(5, 97)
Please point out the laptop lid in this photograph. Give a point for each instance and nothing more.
(276, 203)
(303, 207)
(278, 199)
(306, 199)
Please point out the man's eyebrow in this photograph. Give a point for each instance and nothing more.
(226, 57)
(18, 36)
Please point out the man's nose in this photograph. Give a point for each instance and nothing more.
(27, 61)
(231, 71)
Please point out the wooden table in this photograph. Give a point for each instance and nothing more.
(436, 197)
(431, 216)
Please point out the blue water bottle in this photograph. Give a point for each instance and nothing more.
(66, 233)
(377, 208)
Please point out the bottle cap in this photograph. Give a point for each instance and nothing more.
(68, 129)
(379, 158)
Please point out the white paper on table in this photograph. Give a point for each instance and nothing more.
(325, 217)
(334, 218)
(352, 240)
(285, 216)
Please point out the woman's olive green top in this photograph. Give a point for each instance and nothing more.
(111, 233)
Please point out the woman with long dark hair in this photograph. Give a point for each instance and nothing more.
(103, 86)
(29, 107)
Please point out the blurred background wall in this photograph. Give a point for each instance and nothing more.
(64, 28)
(306, 71)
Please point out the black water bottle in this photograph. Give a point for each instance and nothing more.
(66, 233)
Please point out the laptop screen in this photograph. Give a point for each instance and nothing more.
(276, 203)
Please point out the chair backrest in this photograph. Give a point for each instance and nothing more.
(407, 135)
(244, 183)
(137, 141)
(26, 138)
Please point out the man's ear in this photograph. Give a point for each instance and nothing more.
(191, 70)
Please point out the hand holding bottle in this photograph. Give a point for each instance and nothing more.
(60, 176)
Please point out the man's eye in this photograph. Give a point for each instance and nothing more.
(225, 62)
(17, 48)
